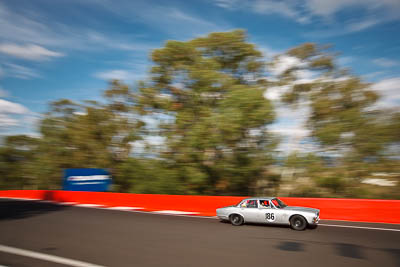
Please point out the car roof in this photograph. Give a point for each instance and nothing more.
(258, 198)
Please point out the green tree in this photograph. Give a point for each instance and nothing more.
(88, 135)
(210, 93)
(206, 96)
(345, 122)
(17, 162)
(340, 120)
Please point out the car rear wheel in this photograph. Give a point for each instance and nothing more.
(298, 223)
(236, 219)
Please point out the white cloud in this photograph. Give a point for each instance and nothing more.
(21, 72)
(113, 74)
(267, 51)
(114, 42)
(8, 110)
(7, 121)
(389, 89)
(17, 27)
(345, 60)
(266, 7)
(178, 22)
(376, 12)
(274, 93)
(181, 16)
(3, 93)
(120, 74)
(305, 11)
(156, 140)
(228, 4)
(362, 25)
(28, 25)
(284, 63)
(290, 123)
(292, 131)
(293, 134)
(385, 62)
(373, 75)
(329, 7)
(17, 119)
(29, 51)
(11, 107)
(271, 7)
(304, 76)
(299, 114)
(139, 147)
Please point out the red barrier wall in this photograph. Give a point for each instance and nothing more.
(26, 194)
(362, 210)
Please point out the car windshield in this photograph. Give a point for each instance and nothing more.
(279, 203)
(238, 204)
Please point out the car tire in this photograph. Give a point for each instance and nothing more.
(298, 223)
(236, 219)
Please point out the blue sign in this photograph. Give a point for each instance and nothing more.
(95, 180)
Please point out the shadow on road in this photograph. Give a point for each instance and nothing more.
(395, 253)
(291, 246)
(350, 250)
(15, 209)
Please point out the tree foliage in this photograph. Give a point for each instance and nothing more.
(345, 122)
(208, 87)
(204, 98)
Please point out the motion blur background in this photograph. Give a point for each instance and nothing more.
(214, 97)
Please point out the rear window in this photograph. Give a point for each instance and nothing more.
(250, 203)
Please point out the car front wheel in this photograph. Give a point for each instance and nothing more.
(298, 223)
(236, 219)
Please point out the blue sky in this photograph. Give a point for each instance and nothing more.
(70, 48)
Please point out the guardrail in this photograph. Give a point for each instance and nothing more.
(361, 210)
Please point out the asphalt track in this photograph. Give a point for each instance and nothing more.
(118, 238)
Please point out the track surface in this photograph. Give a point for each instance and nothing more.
(115, 238)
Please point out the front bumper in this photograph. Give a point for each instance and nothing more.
(315, 220)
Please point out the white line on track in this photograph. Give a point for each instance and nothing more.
(175, 212)
(66, 203)
(20, 198)
(177, 215)
(337, 220)
(89, 205)
(46, 257)
(125, 208)
(360, 227)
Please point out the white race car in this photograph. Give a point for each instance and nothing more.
(269, 210)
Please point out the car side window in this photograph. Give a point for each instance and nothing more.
(264, 204)
(251, 203)
(276, 204)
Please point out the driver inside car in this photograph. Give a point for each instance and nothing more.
(264, 203)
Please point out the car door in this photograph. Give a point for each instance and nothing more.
(268, 213)
(250, 211)
(281, 216)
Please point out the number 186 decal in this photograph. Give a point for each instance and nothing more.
(270, 217)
